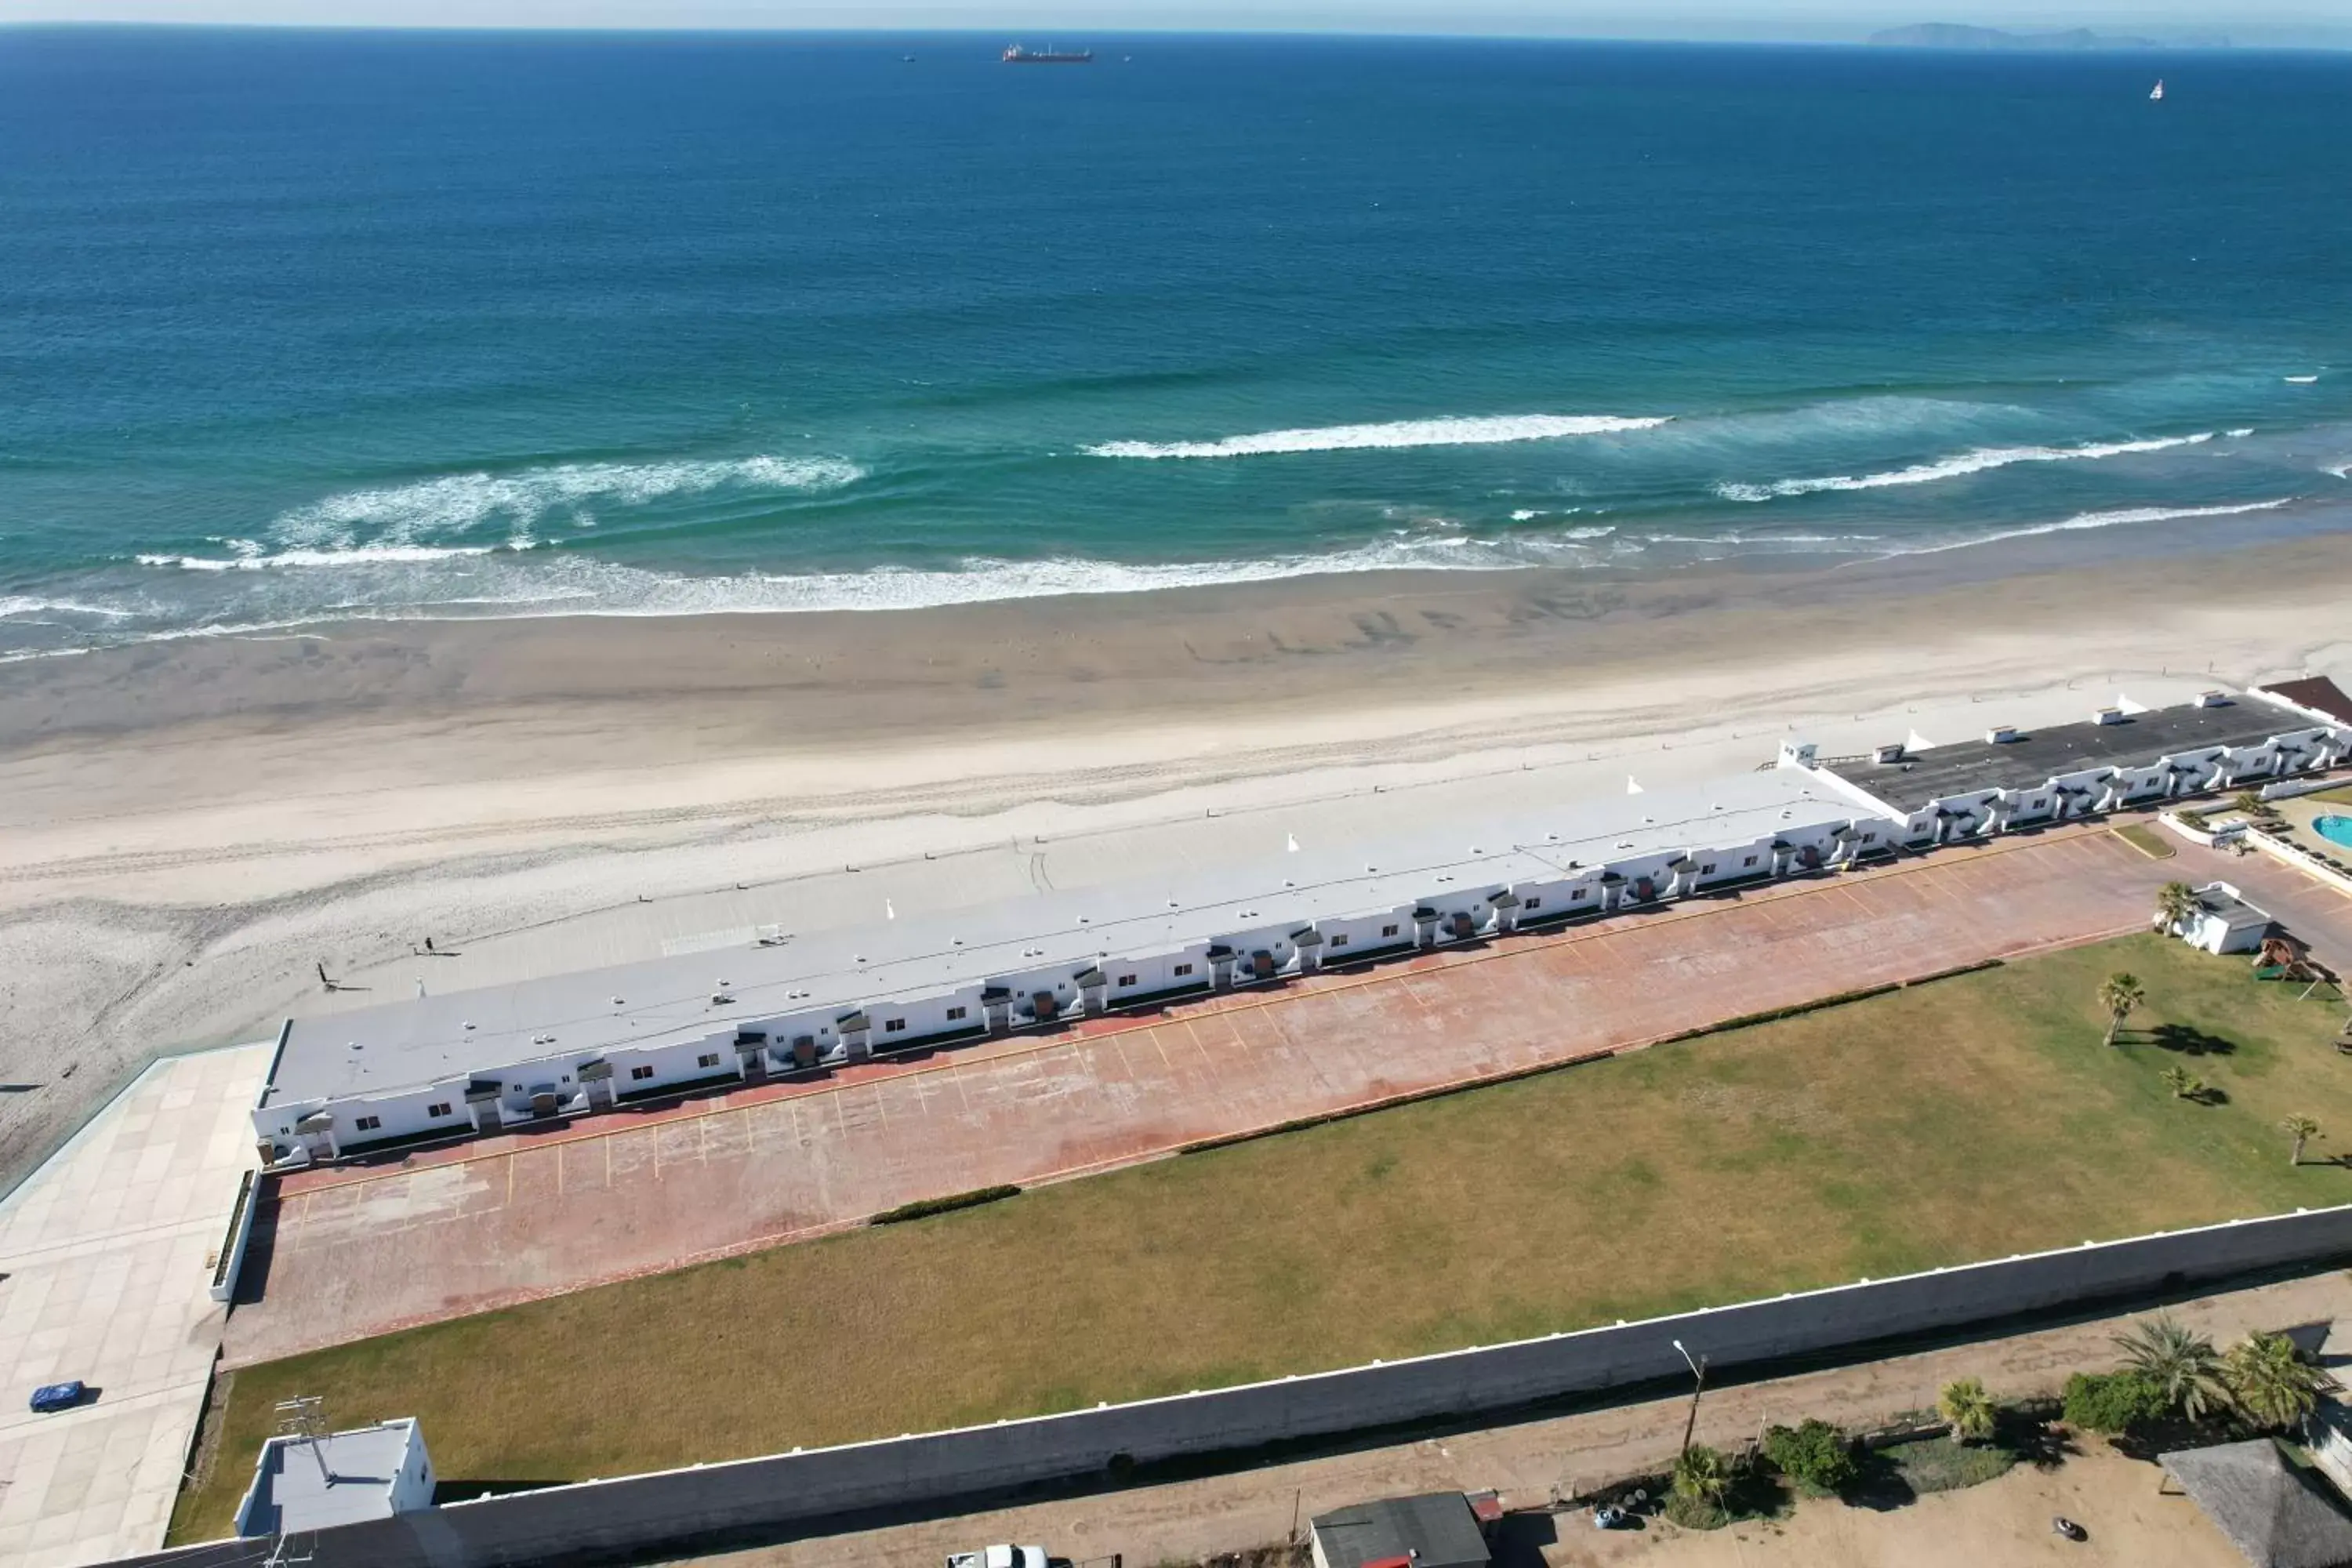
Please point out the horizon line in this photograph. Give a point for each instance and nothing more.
(1864, 39)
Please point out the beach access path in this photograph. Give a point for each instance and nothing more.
(351, 1252)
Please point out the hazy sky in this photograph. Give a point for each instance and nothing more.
(2288, 23)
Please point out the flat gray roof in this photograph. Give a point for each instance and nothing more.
(2227, 908)
(1934, 772)
(291, 1495)
(424, 1040)
(1436, 1530)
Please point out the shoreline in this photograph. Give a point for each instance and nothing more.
(193, 827)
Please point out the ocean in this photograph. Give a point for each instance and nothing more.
(297, 327)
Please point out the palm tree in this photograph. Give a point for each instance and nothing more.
(2175, 902)
(2252, 804)
(2179, 1360)
(2119, 994)
(2303, 1130)
(2182, 1084)
(2270, 1382)
(1970, 1409)
(1701, 1476)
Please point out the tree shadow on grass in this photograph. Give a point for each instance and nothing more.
(2183, 1039)
(1881, 1487)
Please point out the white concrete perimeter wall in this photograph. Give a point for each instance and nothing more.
(649, 1513)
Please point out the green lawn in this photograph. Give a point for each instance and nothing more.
(1971, 1118)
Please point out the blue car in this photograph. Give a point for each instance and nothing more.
(57, 1396)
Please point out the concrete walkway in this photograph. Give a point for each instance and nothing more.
(106, 1256)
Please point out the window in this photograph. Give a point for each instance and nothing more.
(1339, 941)
(441, 1110)
(1869, 839)
(368, 1123)
(1708, 869)
(1182, 970)
(1388, 931)
(641, 1073)
(1578, 894)
(1749, 862)
(894, 1025)
(955, 1015)
(1126, 979)
(708, 1059)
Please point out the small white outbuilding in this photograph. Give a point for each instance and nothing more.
(2222, 921)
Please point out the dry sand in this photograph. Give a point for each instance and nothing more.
(187, 828)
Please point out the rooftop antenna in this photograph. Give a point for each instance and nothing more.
(304, 1419)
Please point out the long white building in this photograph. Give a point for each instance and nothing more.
(575, 1044)
(478, 1061)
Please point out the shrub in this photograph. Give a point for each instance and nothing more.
(2113, 1402)
(1815, 1454)
(922, 1207)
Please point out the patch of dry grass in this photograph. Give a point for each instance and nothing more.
(1975, 1117)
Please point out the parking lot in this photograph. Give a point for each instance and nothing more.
(355, 1252)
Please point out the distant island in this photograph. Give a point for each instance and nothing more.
(1953, 36)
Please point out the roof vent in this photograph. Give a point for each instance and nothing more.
(618, 1002)
(2001, 734)
(1887, 753)
(2108, 716)
(2213, 700)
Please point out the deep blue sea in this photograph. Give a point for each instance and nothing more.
(300, 326)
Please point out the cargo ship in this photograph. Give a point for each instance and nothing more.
(1018, 55)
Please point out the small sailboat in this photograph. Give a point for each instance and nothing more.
(2156, 93)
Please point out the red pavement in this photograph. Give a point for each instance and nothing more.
(486, 1223)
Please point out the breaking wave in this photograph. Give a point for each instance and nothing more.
(14, 604)
(1973, 462)
(255, 560)
(1450, 432)
(455, 504)
(2120, 519)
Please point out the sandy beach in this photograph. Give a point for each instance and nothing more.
(188, 828)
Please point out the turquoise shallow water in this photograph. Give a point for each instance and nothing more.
(2335, 829)
(300, 326)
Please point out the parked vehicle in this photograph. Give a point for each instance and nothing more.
(52, 1396)
(999, 1557)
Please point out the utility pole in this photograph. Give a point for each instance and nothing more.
(1699, 1386)
(306, 1418)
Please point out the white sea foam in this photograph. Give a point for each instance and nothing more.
(2240, 433)
(455, 503)
(1972, 462)
(2340, 470)
(1450, 432)
(2300, 380)
(27, 604)
(366, 555)
(2121, 519)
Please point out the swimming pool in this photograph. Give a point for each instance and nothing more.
(2335, 829)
